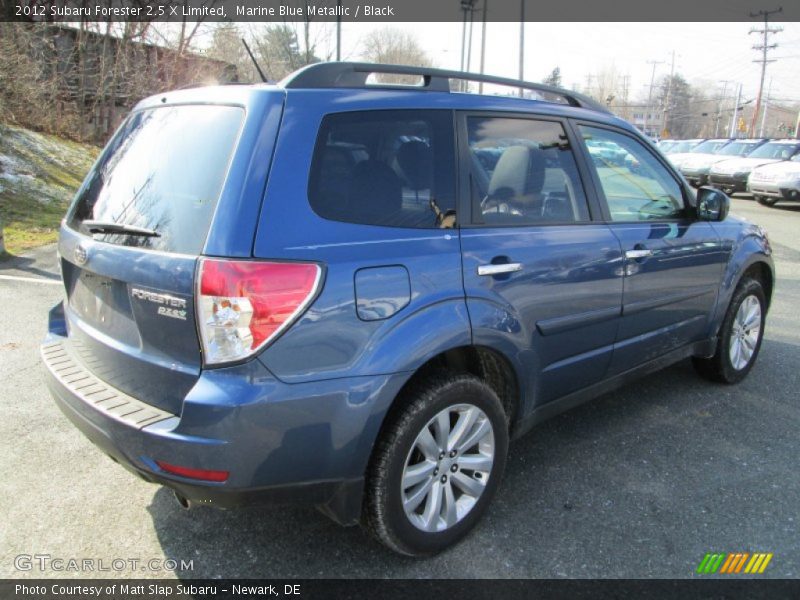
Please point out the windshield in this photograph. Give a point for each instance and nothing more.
(163, 171)
(681, 147)
(778, 151)
(738, 149)
(709, 147)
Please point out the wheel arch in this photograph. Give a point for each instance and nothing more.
(488, 364)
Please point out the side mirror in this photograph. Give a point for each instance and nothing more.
(712, 204)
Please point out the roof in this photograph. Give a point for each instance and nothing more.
(326, 87)
(353, 75)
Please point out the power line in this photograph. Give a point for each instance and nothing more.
(764, 47)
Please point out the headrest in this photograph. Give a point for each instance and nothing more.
(518, 173)
(416, 160)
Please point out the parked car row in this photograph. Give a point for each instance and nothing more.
(768, 169)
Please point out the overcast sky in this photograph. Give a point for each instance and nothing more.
(705, 52)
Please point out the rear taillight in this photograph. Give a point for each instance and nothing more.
(242, 305)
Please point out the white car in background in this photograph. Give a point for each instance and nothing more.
(731, 175)
(707, 147)
(775, 182)
(695, 168)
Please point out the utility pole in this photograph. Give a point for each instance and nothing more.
(521, 44)
(764, 47)
(796, 132)
(626, 81)
(722, 98)
(655, 63)
(464, 8)
(668, 102)
(469, 44)
(766, 106)
(468, 6)
(483, 43)
(338, 30)
(732, 133)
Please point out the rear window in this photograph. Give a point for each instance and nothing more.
(393, 168)
(163, 171)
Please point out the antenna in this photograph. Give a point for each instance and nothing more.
(255, 62)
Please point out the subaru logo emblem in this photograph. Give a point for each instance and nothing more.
(80, 254)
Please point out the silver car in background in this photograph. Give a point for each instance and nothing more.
(775, 182)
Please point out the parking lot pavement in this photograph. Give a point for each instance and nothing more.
(640, 483)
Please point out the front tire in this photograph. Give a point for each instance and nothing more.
(437, 465)
(766, 201)
(740, 336)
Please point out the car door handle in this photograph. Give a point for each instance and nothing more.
(499, 269)
(638, 253)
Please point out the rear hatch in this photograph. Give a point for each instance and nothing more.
(131, 242)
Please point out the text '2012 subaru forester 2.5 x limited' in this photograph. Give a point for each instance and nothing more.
(354, 295)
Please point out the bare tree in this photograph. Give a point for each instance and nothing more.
(392, 46)
(226, 45)
(80, 80)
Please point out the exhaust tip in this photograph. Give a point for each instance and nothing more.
(182, 501)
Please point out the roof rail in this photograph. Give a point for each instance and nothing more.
(354, 75)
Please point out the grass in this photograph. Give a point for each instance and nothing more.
(39, 175)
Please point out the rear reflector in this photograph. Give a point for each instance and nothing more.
(202, 474)
(242, 305)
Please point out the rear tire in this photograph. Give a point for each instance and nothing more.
(437, 465)
(740, 335)
(766, 201)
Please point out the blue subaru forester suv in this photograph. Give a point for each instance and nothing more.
(353, 294)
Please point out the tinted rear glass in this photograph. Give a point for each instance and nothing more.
(394, 168)
(163, 171)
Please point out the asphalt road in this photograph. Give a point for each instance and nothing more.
(640, 483)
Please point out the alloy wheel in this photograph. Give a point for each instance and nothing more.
(448, 467)
(746, 332)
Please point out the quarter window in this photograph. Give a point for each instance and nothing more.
(394, 168)
(636, 186)
(524, 172)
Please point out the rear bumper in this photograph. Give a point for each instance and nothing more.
(300, 443)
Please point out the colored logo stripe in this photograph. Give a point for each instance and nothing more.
(733, 562)
(710, 563)
(758, 563)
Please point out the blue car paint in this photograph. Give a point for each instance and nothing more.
(305, 414)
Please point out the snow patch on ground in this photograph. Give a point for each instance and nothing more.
(41, 168)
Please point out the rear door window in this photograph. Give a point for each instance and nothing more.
(163, 171)
(393, 168)
(523, 173)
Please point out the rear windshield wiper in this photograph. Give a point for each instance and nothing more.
(110, 227)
